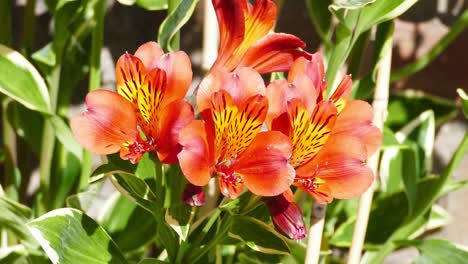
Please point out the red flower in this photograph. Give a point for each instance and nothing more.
(228, 141)
(244, 38)
(193, 195)
(331, 138)
(147, 111)
(286, 215)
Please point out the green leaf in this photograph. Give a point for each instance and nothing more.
(83, 200)
(65, 136)
(152, 261)
(14, 217)
(264, 239)
(408, 105)
(456, 29)
(464, 100)
(136, 190)
(350, 4)
(152, 4)
(321, 18)
(174, 22)
(129, 225)
(28, 125)
(69, 236)
(22, 82)
(437, 251)
(422, 131)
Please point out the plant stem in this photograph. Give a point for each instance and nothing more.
(94, 79)
(317, 222)
(48, 141)
(29, 27)
(172, 5)
(380, 110)
(6, 36)
(210, 33)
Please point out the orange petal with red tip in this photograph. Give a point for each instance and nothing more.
(264, 165)
(109, 122)
(342, 92)
(247, 123)
(178, 70)
(129, 73)
(231, 23)
(173, 118)
(275, 52)
(149, 53)
(196, 160)
(314, 69)
(309, 135)
(356, 120)
(259, 20)
(340, 166)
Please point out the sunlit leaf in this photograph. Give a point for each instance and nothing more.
(437, 251)
(22, 82)
(65, 136)
(69, 236)
(14, 216)
(350, 4)
(464, 100)
(174, 22)
(264, 239)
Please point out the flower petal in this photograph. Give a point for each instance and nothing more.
(196, 160)
(280, 92)
(356, 120)
(178, 70)
(264, 164)
(309, 135)
(231, 28)
(109, 122)
(231, 190)
(340, 166)
(173, 118)
(342, 92)
(314, 69)
(129, 73)
(274, 52)
(245, 126)
(149, 53)
(151, 96)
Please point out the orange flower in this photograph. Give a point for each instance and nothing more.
(147, 111)
(331, 138)
(228, 141)
(244, 38)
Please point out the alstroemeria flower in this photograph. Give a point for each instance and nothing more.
(244, 38)
(228, 141)
(331, 138)
(147, 111)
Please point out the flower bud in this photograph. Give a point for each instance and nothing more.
(193, 195)
(287, 216)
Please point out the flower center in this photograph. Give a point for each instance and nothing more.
(310, 184)
(228, 175)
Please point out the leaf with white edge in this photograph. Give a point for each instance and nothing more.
(422, 131)
(350, 4)
(464, 101)
(437, 251)
(65, 136)
(69, 236)
(174, 22)
(14, 216)
(106, 170)
(22, 82)
(136, 190)
(152, 261)
(152, 4)
(264, 238)
(83, 200)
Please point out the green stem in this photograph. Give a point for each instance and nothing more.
(94, 79)
(29, 27)
(172, 5)
(48, 141)
(357, 54)
(6, 36)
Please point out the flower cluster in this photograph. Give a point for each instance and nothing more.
(263, 138)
